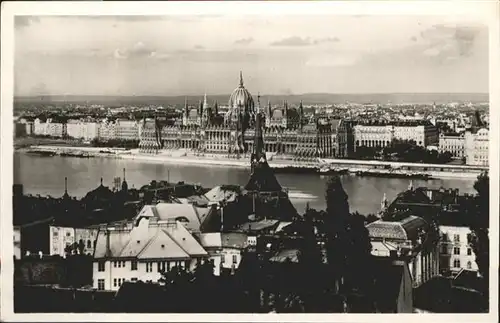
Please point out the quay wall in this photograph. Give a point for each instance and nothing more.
(189, 158)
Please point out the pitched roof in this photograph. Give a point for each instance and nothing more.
(223, 193)
(259, 225)
(117, 240)
(191, 216)
(162, 246)
(210, 240)
(406, 229)
(184, 239)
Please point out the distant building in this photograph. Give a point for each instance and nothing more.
(127, 130)
(49, 128)
(203, 129)
(107, 130)
(452, 143)
(61, 237)
(79, 129)
(423, 133)
(477, 147)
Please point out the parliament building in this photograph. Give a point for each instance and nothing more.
(288, 133)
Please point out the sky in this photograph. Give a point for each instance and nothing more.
(190, 55)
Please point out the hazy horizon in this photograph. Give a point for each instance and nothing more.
(279, 55)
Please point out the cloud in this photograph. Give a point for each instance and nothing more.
(293, 41)
(199, 47)
(326, 40)
(413, 38)
(25, 21)
(138, 50)
(244, 41)
(298, 41)
(447, 42)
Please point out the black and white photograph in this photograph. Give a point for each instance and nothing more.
(249, 158)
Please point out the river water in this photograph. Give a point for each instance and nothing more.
(45, 176)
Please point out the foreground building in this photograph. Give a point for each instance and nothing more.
(203, 130)
(143, 252)
(410, 240)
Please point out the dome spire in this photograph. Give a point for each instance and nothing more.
(241, 79)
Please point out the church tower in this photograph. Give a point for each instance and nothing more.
(124, 183)
(185, 114)
(206, 113)
(301, 115)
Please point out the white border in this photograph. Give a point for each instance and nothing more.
(487, 11)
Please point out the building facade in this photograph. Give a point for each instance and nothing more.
(127, 130)
(477, 147)
(381, 134)
(452, 143)
(455, 251)
(143, 253)
(62, 237)
(203, 130)
(79, 129)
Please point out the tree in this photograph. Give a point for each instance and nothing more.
(480, 226)
(348, 245)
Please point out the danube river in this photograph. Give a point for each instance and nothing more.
(45, 176)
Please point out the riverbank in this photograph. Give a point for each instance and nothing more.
(280, 164)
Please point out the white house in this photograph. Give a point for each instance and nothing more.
(225, 249)
(455, 252)
(143, 253)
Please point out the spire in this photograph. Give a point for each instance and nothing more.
(124, 183)
(258, 104)
(66, 195)
(101, 181)
(216, 108)
(301, 115)
(269, 110)
(205, 99)
(410, 187)
(258, 145)
(241, 79)
(186, 108)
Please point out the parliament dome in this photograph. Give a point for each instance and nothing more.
(241, 97)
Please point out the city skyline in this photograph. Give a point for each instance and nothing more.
(283, 55)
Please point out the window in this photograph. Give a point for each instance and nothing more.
(133, 265)
(101, 266)
(89, 244)
(456, 238)
(95, 243)
(456, 251)
(469, 265)
(68, 234)
(55, 233)
(235, 259)
(114, 264)
(160, 266)
(149, 267)
(115, 282)
(168, 265)
(469, 252)
(223, 259)
(456, 263)
(100, 284)
(444, 250)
